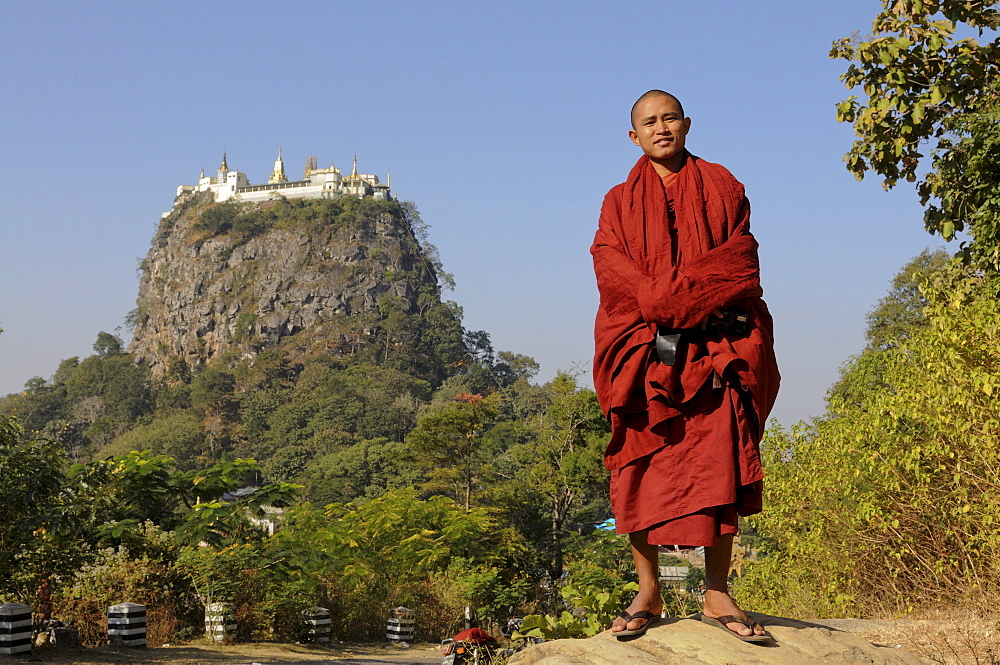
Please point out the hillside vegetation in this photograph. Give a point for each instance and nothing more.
(888, 503)
(415, 465)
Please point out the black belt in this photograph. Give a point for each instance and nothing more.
(733, 321)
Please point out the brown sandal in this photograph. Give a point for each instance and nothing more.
(720, 622)
(649, 617)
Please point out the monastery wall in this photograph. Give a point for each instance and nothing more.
(268, 192)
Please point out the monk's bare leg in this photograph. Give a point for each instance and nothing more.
(718, 602)
(647, 566)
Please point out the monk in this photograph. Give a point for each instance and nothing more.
(684, 365)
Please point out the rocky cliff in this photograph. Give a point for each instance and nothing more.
(227, 280)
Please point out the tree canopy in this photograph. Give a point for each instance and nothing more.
(927, 80)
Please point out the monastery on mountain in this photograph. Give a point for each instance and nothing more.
(316, 183)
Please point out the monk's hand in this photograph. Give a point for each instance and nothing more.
(717, 314)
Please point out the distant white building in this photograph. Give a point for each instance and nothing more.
(674, 576)
(316, 183)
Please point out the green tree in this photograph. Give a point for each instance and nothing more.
(448, 442)
(178, 434)
(40, 403)
(901, 311)
(924, 79)
(30, 481)
(333, 405)
(562, 461)
(367, 469)
(894, 320)
(400, 549)
(108, 345)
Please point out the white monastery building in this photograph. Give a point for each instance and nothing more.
(316, 183)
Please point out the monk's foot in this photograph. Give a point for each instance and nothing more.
(651, 603)
(720, 603)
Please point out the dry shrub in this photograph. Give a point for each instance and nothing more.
(360, 614)
(961, 635)
(118, 576)
(162, 623)
(948, 635)
(442, 613)
(89, 617)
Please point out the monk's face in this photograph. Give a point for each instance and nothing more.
(660, 128)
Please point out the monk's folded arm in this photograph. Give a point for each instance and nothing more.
(725, 274)
(673, 298)
(617, 275)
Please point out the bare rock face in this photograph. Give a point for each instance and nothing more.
(690, 642)
(205, 293)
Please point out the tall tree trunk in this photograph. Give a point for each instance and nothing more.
(557, 552)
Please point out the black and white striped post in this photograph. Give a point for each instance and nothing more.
(400, 625)
(127, 625)
(15, 628)
(317, 624)
(220, 621)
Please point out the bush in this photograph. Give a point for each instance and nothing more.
(117, 576)
(589, 611)
(262, 583)
(894, 493)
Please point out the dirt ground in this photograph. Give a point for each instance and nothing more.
(946, 638)
(203, 653)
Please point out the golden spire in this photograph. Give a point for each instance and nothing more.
(354, 171)
(278, 174)
(223, 171)
(311, 165)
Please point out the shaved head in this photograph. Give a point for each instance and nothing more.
(654, 93)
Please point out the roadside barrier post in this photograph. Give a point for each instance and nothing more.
(400, 625)
(317, 624)
(127, 623)
(220, 621)
(15, 628)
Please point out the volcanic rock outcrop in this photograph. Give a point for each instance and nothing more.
(691, 642)
(235, 278)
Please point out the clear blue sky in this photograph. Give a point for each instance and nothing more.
(505, 122)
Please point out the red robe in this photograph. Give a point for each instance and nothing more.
(680, 448)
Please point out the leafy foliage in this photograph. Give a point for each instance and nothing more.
(925, 82)
(258, 579)
(598, 559)
(367, 469)
(591, 611)
(902, 310)
(30, 475)
(893, 495)
(86, 404)
(448, 440)
(245, 220)
(143, 575)
(562, 461)
(401, 550)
